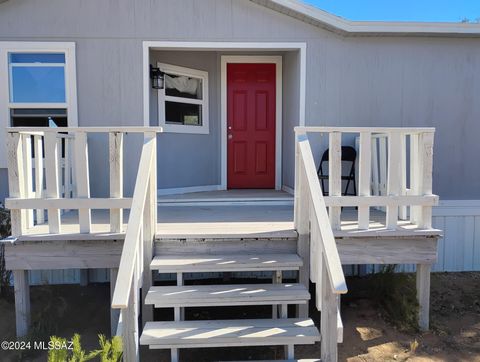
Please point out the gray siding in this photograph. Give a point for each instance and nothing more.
(190, 159)
(376, 81)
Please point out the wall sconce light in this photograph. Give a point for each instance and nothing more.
(157, 77)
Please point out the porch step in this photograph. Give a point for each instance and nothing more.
(223, 333)
(227, 295)
(230, 197)
(225, 263)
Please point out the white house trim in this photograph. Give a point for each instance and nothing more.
(162, 98)
(277, 60)
(301, 47)
(315, 16)
(70, 82)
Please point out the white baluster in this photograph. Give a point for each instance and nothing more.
(364, 178)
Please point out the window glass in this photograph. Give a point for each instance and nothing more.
(183, 113)
(37, 58)
(37, 78)
(183, 86)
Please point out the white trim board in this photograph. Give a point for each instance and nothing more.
(277, 60)
(320, 18)
(70, 82)
(189, 189)
(204, 128)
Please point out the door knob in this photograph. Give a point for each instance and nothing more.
(230, 136)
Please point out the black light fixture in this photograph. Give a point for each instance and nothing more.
(157, 77)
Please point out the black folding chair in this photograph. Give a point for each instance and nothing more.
(348, 155)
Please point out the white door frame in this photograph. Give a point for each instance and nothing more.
(301, 47)
(271, 59)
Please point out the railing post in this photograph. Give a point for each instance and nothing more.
(328, 320)
(39, 184)
(335, 175)
(365, 161)
(149, 222)
(393, 179)
(301, 221)
(82, 179)
(426, 155)
(16, 180)
(130, 324)
(16, 187)
(115, 140)
(414, 175)
(53, 189)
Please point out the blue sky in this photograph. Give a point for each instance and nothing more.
(402, 10)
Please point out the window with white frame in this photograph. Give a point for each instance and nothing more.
(183, 101)
(37, 85)
(41, 87)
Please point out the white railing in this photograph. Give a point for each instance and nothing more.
(137, 252)
(312, 223)
(48, 170)
(394, 174)
(27, 195)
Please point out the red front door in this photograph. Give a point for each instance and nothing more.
(251, 126)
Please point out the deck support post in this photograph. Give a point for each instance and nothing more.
(423, 295)
(114, 313)
(22, 302)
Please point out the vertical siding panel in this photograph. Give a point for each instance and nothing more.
(438, 222)
(468, 243)
(459, 241)
(476, 245)
(450, 237)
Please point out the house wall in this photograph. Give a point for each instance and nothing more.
(376, 81)
(351, 81)
(190, 159)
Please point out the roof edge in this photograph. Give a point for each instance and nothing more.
(321, 18)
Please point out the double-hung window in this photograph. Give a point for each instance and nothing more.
(183, 101)
(37, 85)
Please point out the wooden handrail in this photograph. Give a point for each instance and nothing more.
(329, 247)
(41, 131)
(326, 129)
(71, 203)
(131, 245)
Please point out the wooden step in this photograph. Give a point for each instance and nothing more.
(223, 333)
(225, 263)
(226, 295)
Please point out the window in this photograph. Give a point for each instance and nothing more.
(37, 85)
(37, 77)
(183, 103)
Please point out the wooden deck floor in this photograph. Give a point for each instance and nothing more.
(247, 221)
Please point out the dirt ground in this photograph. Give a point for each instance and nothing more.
(454, 336)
